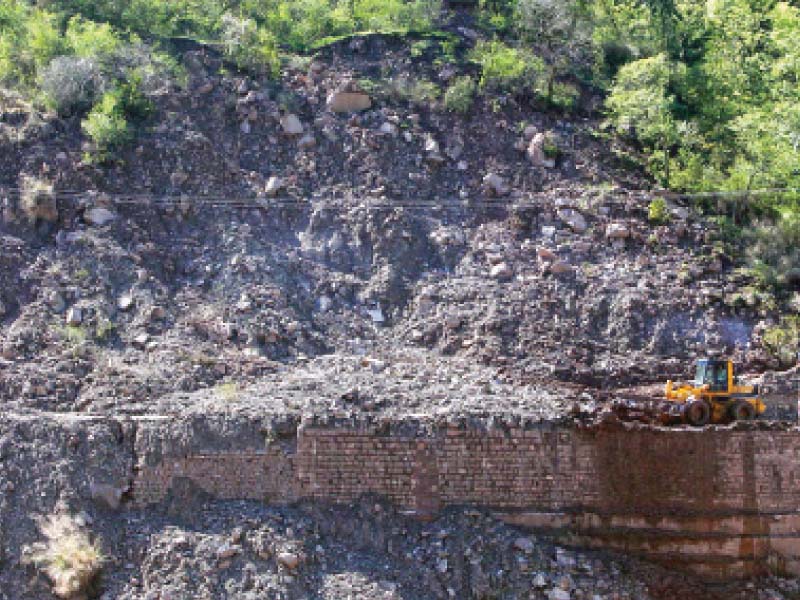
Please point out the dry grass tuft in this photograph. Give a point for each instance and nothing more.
(67, 556)
(37, 200)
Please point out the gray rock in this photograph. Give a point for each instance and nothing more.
(388, 129)
(496, 184)
(291, 125)
(524, 544)
(106, 494)
(56, 301)
(74, 316)
(274, 185)
(617, 231)
(560, 267)
(125, 302)
(344, 101)
(502, 272)
(289, 560)
(536, 152)
(574, 220)
(307, 142)
(99, 216)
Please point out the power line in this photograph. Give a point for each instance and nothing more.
(367, 201)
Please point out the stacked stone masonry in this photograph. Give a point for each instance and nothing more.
(719, 502)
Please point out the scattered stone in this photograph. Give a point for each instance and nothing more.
(529, 132)
(502, 272)
(559, 267)
(205, 88)
(546, 254)
(617, 231)
(125, 302)
(536, 153)
(56, 301)
(348, 98)
(307, 142)
(99, 216)
(388, 129)
(289, 560)
(496, 184)
(274, 186)
(574, 219)
(103, 493)
(74, 316)
(291, 125)
(558, 594)
(524, 544)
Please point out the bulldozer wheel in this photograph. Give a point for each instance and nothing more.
(741, 410)
(697, 413)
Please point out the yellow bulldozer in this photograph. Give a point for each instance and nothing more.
(715, 395)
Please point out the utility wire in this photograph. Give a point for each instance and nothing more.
(256, 202)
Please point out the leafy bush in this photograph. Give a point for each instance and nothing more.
(378, 15)
(249, 46)
(460, 95)
(71, 84)
(106, 126)
(133, 103)
(29, 42)
(657, 212)
(304, 24)
(87, 39)
(563, 96)
(773, 251)
(504, 68)
(414, 91)
(67, 556)
(783, 340)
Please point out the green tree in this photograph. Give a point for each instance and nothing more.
(640, 104)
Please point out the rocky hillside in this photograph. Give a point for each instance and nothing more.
(338, 240)
(251, 225)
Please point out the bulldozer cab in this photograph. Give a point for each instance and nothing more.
(713, 373)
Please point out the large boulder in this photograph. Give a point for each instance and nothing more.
(345, 102)
(348, 98)
(536, 152)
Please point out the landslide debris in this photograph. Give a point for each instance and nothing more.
(256, 252)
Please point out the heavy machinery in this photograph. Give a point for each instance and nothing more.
(714, 396)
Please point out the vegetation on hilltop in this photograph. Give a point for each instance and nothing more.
(708, 91)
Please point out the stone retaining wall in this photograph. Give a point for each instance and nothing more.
(722, 503)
